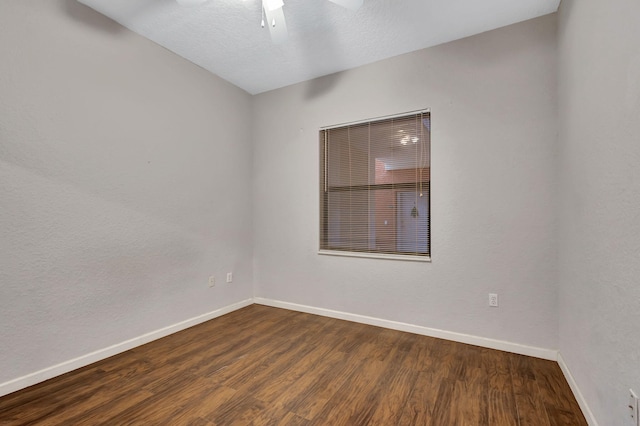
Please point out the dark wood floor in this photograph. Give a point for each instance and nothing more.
(268, 366)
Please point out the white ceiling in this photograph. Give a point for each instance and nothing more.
(225, 36)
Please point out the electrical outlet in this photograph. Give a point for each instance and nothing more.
(212, 281)
(493, 300)
(633, 407)
(229, 277)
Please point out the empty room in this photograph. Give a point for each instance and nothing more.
(319, 212)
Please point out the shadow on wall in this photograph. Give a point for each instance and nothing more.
(319, 86)
(94, 19)
(89, 17)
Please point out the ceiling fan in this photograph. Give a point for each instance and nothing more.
(273, 15)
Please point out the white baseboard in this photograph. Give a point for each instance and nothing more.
(588, 415)
(501, 345)
(84, 360)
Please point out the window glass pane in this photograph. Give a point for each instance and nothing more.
(348, 223)
(375, 180)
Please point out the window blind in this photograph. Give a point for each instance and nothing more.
(375, 186)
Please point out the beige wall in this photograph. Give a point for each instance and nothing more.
(493, 172)
(124, 184)
(599, 250)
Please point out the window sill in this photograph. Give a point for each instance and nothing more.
(406, 257)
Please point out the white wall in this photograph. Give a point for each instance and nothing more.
(124, 183)
(599, 207)
(493, 103)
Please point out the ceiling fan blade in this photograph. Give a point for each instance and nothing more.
(190, 2)
(277, 24)
(349, 4)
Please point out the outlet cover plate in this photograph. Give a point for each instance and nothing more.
(493, 300)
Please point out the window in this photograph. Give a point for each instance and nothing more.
(375, 187)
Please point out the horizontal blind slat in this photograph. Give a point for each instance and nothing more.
(375, 186)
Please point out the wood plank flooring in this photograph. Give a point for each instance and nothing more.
(269, 366)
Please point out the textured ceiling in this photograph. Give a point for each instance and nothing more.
(225, 36)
